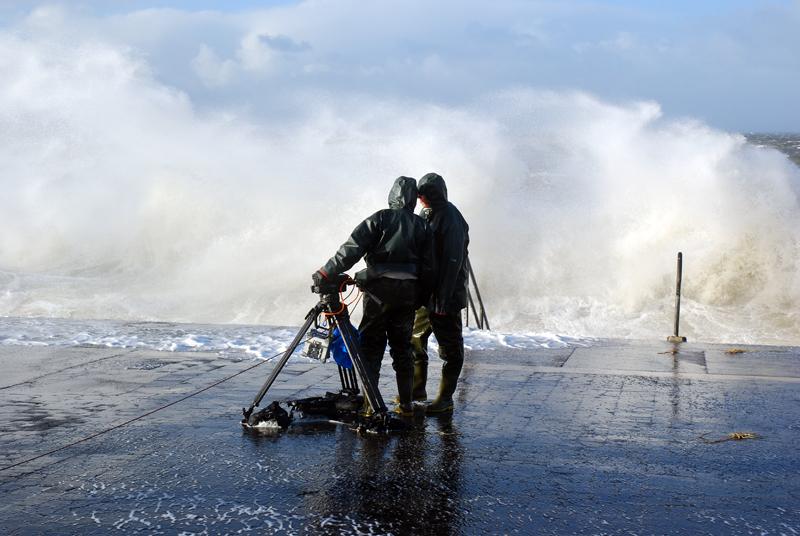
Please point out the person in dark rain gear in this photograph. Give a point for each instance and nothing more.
(398, 249)
(442, 314)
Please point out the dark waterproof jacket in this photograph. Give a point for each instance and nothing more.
(451, 243)
(391, 240)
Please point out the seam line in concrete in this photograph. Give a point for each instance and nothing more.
(37, 378)
(642, 373)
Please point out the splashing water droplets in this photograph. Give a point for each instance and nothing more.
(122, 201)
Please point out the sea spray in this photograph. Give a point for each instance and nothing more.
(121, 200)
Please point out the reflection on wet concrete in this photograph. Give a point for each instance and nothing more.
(675, 393)
(404, 484)
(532, 449)
(400, 484)
(31, 415)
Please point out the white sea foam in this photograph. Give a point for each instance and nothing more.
(227, 340)
(119, 200)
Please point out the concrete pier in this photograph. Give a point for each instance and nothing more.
(615, 438)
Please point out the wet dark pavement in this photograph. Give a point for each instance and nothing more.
(599, 440)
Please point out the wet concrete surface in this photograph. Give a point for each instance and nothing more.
(600, 440)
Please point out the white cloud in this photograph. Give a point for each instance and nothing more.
(383, 49)
(212, 70)
(254, 53)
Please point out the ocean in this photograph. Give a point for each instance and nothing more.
(788, 144)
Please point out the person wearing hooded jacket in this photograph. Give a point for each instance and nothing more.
(398, 249)
(442, 314)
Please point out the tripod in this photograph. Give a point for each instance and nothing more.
(336, 311)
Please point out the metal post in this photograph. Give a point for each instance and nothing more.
(484, 318)
(471, 305)
(675, 337)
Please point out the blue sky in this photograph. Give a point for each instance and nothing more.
(733, 64)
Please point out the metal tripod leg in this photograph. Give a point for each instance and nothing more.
(312, 314)
(348, 380)
(371, 392)
(351, 374)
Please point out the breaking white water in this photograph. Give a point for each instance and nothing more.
(120, 200)
(234, 341)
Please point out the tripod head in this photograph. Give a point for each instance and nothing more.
(329, 288)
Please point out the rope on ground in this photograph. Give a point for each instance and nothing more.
(129, 421)
(735, 436)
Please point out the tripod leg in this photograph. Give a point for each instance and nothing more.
(371, 392)
(312, 314)
(353, 381)
(348, 380)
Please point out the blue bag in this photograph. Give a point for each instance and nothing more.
(339, 350)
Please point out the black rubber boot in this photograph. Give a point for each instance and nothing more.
(419, 378)
(405, 378)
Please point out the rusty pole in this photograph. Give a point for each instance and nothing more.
(675, 337)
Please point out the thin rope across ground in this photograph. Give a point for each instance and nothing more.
(129, 421)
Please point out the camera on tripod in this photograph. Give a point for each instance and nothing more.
(331, 285)
(331, 334)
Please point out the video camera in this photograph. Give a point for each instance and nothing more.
(332, 284)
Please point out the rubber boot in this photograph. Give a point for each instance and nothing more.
(405, 380)
(418, 392)
(444, 400)
(440, 405)
(420, 333)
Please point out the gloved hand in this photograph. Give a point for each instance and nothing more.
(319, 276)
